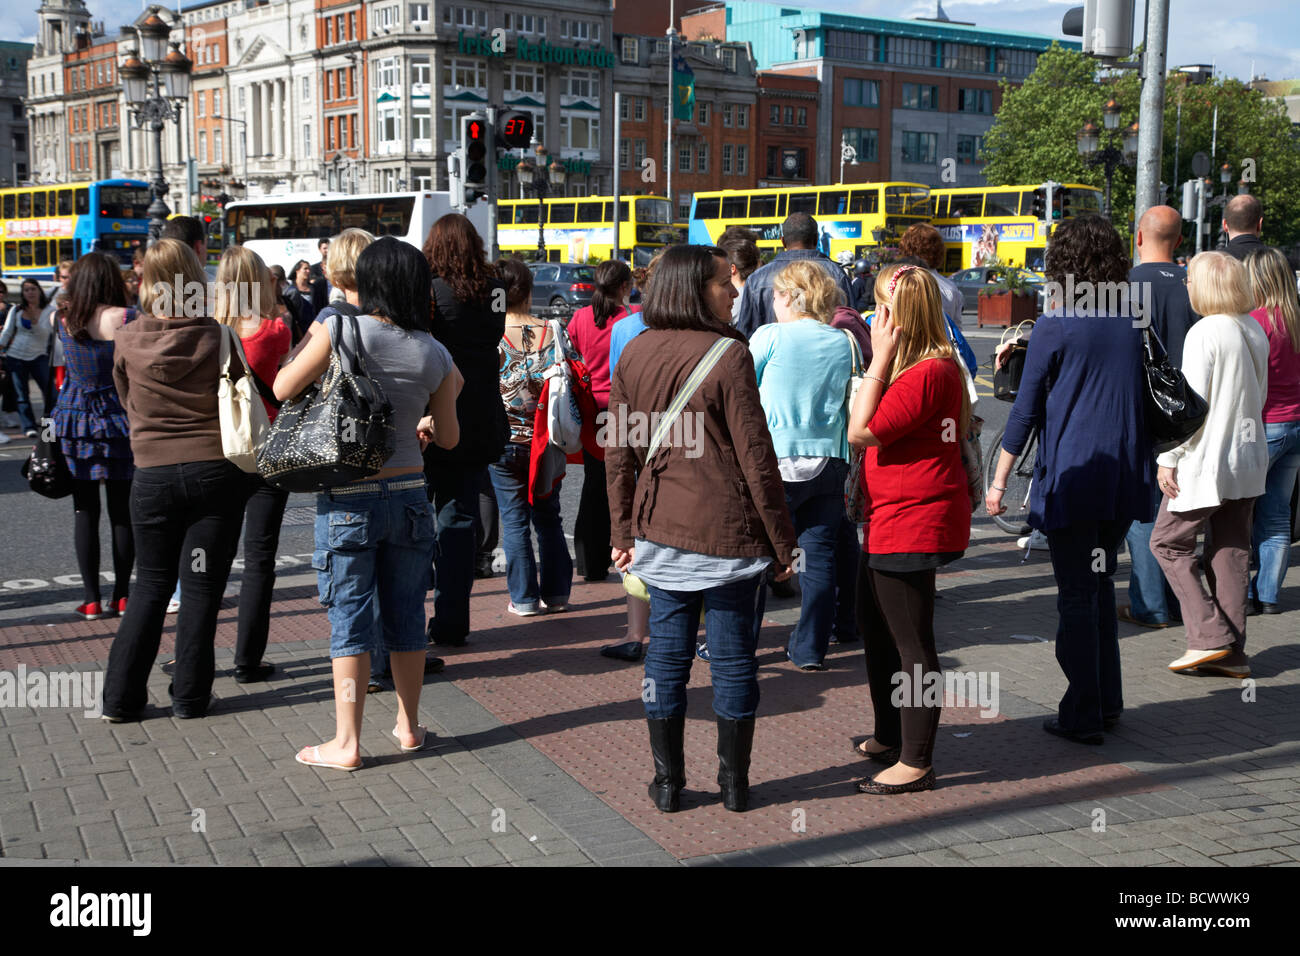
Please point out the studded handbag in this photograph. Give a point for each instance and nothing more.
(339, 430)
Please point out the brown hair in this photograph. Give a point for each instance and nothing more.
(455, 253)
(94, 280)
(741, 247)
(675, 299)
(518, 279)
(611, 277)
(925, 242)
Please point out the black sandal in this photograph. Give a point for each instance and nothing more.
(889, 756)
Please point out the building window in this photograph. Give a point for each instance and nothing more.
(1016, 62)
(306, 88)
(787, 163)
(624, 109)
(583, 84)
(390, 129)
(702, 114)
(419, 13)
(862, 140)
(469, 18)
(919, 96)
(742, 117)
(968, 150)
(774, 115)
(789, 116)
(728, 115)
(861, 92)
(423, 177)
(803, 116)
(965, 57)
(241, 98)
(908, 52)
(729, 59)
(420, 73)
(624, 154)
(218, 150)
(684, 153)
(726, 159)
(421, 129)
(579, 131)
(216, 102)
(848, 45)
(203, 100)
(306, 140)
(920, 147)
(386, 18)
(638, 109)
(975, 101)
(203, 146)
(630, 50)
(386, 74)
(742, 160)
(525, 80)
(465, 74)
(702, 158)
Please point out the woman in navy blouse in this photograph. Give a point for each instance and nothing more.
(1083, 392)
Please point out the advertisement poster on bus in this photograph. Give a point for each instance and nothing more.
(985, 237)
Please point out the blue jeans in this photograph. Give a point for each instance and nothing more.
(510, 479)
(1271, 535)
(374, 546)
(22, 373)
(733, 614)
(454, 491)
(1151, 599)
(830, 553)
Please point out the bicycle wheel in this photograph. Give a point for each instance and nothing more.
(1019, 482)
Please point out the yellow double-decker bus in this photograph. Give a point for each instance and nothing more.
(575, 228)
(854, 218)
(1005, 222)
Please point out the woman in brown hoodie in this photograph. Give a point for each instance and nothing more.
(700, 520)
(187, 500)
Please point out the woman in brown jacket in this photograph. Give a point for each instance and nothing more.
(701, 518)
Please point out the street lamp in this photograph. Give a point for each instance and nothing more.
(541, 177)
(156, 82)
(1120, 149)
(847, 155)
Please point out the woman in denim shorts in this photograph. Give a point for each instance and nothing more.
(375, 537)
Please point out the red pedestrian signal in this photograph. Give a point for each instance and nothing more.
(516, 130)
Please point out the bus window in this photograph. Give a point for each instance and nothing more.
(706, 207)
(11, 254)
(734, 207)
(907, 200)
(320, 222)
(1080, 202)
(38, 204)
(65, 202)
(41, 253)
(965, 204)
(607, 210)
(1002, 204)
(652, 210)
(8, 211)
(393, 218)
(803, 202)
(833, 203)
(81, 201)
(589, 212)
(526, 214)
(561, 212)
(761, 207)
(65, 250)
(624, 211)
(24, 205)
(25, 254)
(120, 202)
(864, 202)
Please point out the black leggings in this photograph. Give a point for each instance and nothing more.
(591, 529)
(896, 618)
(85, 498)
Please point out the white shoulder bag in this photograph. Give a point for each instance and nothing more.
(244, 422)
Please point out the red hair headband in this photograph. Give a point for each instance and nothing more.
(893, 280)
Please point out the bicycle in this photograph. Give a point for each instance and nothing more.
(1019, 483)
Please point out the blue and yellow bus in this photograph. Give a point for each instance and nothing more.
(42, 225)
(1007, 223)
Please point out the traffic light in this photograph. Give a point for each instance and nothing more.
(474, 138)
(1040, 203)
(1106, 27)
(514, 130)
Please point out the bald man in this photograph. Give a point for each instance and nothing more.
(1161, 289)
(1243, 221)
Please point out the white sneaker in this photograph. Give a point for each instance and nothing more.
(1193, 659)
(523, 612)
(173, 605)
(1035, 540)
(4, 439)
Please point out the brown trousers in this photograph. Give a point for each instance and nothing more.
(1216, 619)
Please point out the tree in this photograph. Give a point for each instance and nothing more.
(1033, 138)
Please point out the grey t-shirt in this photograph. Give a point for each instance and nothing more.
(409, 367)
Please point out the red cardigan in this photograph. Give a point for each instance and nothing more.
(914, 481)
(593, 344)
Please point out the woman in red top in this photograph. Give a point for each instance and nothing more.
(909, 413)
(246, 301)
(589, 331)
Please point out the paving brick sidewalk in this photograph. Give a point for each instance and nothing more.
(543, 759)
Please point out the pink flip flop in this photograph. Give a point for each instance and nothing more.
(315, 760)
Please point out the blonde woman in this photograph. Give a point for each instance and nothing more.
(1278, 311)
(803, 367)
(908, 414)
(245, 300)
(340, 271)
(185, 495)
(1212, 479)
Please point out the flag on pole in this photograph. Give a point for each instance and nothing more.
(683, 89)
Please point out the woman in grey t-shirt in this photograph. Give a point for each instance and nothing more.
(375, 537)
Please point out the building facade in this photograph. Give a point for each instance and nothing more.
(15, 158)
(787, 129)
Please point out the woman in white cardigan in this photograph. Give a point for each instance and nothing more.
(1211, 481)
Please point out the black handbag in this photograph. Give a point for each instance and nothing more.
(339, 430)
(1174, 412)
(45, 469)
(1006, 377)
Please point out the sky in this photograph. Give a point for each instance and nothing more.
(1234, 35)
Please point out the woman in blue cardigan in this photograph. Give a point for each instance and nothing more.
(1083, 392)
(803, 367)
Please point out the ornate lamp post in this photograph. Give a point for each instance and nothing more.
(541, 178)
(1116, 152)
(847, 155)
(156, 82)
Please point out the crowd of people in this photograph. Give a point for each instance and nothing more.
(803, 419)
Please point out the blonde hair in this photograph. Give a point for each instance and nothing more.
(167, 262)
(812, 291)
(340, 266)
(1217, 285)
(1273, 283)
(916, 308)
(244, 288)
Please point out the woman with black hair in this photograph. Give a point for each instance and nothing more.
(375, 537)
(589, 331)
(25, 344)
(1083, 393)
(701, 518)
(92, 426)
(468, 318)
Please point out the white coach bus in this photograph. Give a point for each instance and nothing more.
(284, 229)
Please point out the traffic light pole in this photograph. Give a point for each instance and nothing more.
(492, 184)
(1152, 109)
